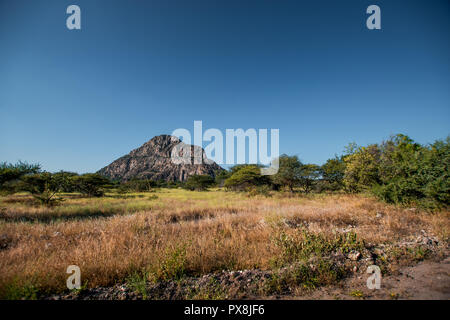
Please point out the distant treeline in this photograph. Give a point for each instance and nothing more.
(398, 170)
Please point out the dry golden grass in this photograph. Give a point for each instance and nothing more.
(111, 239)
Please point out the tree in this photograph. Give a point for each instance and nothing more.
(90, 184)
(333, 172)
(12, 172)
(436, 172)
(43, 186)
(309, 173)
(412, 173)
(400, 170)
(246, 176)
(199, 182)
(289, 172)
(362, 168)
(138, 185)
(398, 166)
(221, 176)
(65, 181)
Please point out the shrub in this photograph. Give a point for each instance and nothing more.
(305, 275)
(137, 185)
(173, 265)
(303, 246)
(263, 190)
(198, 182)
(401, 171)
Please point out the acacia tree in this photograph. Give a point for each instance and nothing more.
(90, 184)
(63, 179)
(198, 182)
(289, 172)
(137, 185)
(12, 172)
(246, 176)
(221, 176)
(309, 173)
(43, 186)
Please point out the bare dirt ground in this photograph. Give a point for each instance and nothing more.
(428, 280)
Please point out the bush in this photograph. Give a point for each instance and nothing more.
(263, 190)
(198, 182)
(305, 244)
(173, 264)
(305, 276)
(402, 171)
(136, 185)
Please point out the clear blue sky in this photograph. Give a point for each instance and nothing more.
(76, 100)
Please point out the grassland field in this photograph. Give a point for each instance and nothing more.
(140, 240)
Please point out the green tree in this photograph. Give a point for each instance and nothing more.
(221, 177)
(138, 185)
(435, 169)
(10, 173)
(400, 170)
(398, 165)
(309, 174)
(91, 184)
(333, 172)
(289, 173)
(198, 182)
(43, 186)
(410, 172)
(362, 168)
(64, 180)
(246, 176)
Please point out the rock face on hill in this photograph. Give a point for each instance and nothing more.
(153, 161)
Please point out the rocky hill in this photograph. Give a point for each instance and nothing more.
(153, 161)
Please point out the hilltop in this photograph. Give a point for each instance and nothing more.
(153, 161)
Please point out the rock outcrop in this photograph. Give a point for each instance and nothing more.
(153, 160)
